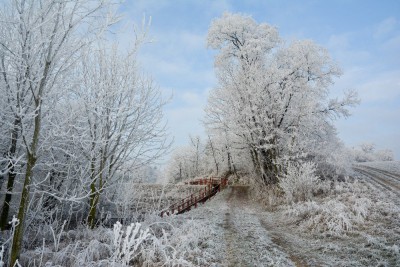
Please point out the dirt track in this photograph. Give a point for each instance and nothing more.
(234, 249)
(245, 234)
(246, 238)
(381, 178)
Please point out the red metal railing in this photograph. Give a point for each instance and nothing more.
(206, 181)
(213, 185)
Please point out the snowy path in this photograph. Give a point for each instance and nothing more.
(247, 241)
(245, 234)
(242, 238)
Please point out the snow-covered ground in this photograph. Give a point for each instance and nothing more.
(356, 226)
(356, 223)
(383, 175)
(390, 166)
(241, 238)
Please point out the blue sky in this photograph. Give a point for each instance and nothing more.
(362, 36)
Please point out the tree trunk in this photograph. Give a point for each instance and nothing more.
(11, 175)
(180, 172)
(32, 157)
(229, 160)
(268, 167)
(213, 153)
(254, 159)
(94, 197)
(96, 192)
(264, 165)
(93, 194)
(19, 230)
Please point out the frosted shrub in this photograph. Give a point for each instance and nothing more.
(192, 241)
(171, 242)
(91, 254)
(182, 243)
(360, 208)
(385, 155)
(117, 247)
(336, 216)
(332, 217)
(367, 153)
(128, 244)
(162, 252)
(299, 182)
(82, 247)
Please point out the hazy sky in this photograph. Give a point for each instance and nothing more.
(362, 36)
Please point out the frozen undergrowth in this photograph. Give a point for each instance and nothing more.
(299, 181)
(341, 211)
(168, 241)
(355, 224)
(177, 240)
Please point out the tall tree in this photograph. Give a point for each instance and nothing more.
(273, 97)
(122, 112)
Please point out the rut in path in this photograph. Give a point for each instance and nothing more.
(247, 242)
(232, 258)
(384, 179)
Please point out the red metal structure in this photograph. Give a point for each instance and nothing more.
(212, 186)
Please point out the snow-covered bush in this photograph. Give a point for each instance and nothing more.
(333, 217)
(333, 160)
(93, 253)
(342, 210)
(178, 242)
(299, 182)
(128, 244)
(366, 152)
(170, 241)
(80, 247)
(384, 155)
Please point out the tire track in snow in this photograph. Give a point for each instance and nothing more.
(247, 242)
(229, 236)
(277, 239)
(381, 179)
(386, 173)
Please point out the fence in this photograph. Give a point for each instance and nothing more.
(212, 186)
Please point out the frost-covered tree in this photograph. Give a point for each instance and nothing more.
(178, 167)
(367, 152)
(187, 162)
(39, 42)
(214, 157)
(211, 153)
(271, 96)
(122, 112)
